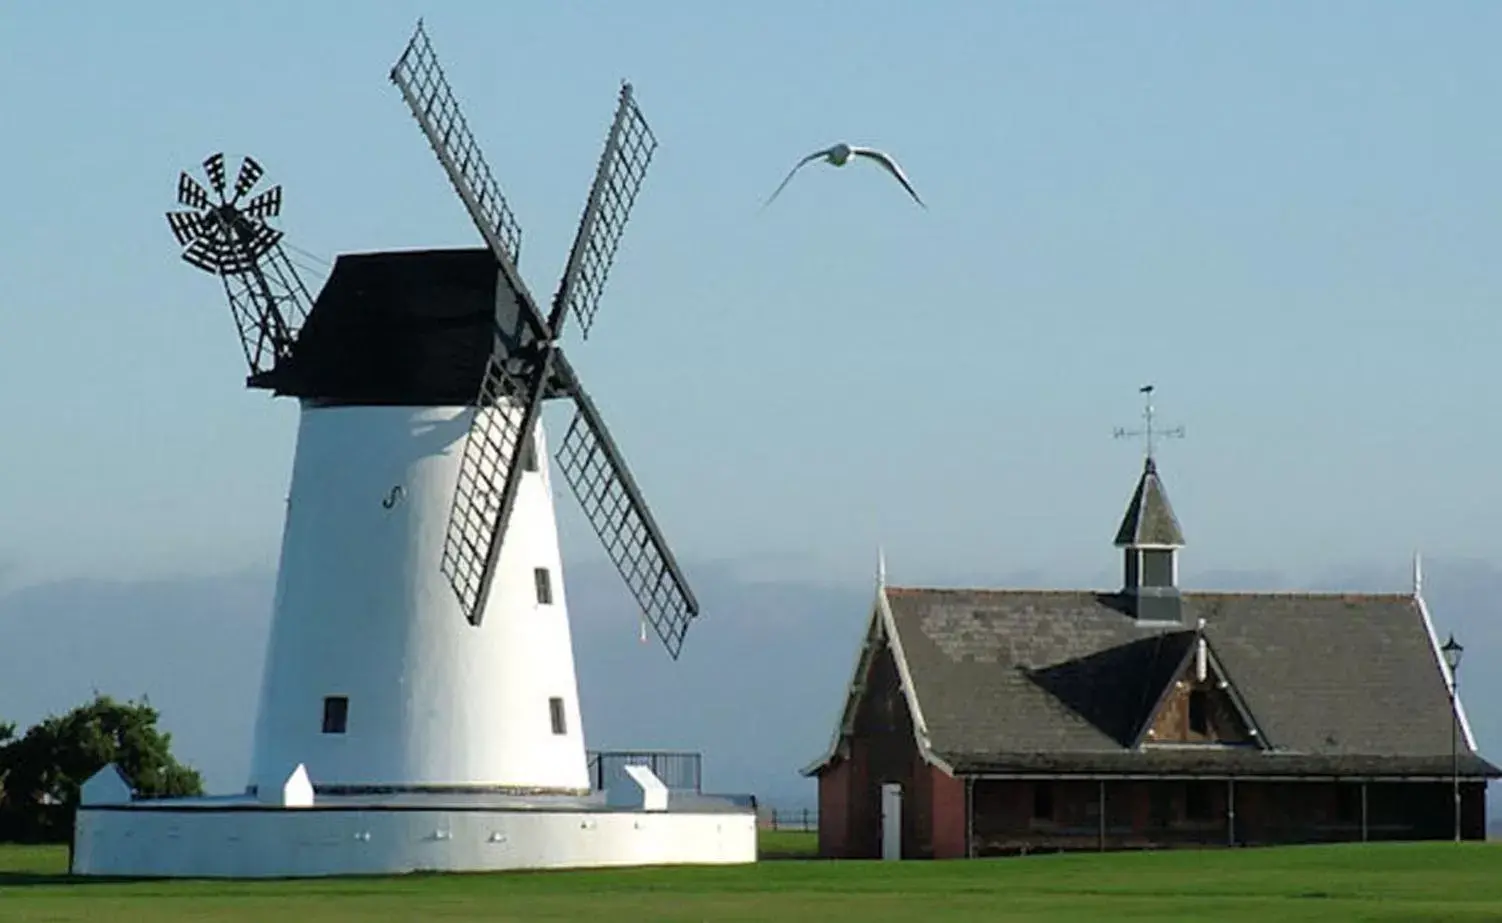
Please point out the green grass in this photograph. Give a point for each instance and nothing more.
(1414, 883)
(787, 844)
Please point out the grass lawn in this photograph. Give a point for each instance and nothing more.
(787, 844)
(1415, 883)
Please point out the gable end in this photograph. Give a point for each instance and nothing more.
(1200, 706)
(880, 693)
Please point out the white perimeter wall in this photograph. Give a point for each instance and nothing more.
(362, 610)
(311, 842)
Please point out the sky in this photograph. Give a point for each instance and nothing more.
(1283, 215)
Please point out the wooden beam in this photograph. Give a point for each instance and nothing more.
(1363, 812)
(1102, 815)
(1230, 812)
(1202, 776)
(969, 817)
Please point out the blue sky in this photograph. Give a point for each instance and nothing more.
(1283, 214)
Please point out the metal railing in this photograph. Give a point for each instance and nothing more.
(680, 771)
(797, 819)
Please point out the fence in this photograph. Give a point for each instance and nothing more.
(680, 771)
(800, 819)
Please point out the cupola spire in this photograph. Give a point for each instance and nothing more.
(1149, 534)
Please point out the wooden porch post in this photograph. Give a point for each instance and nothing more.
(1363, 811)
(1230, 812)
(1102, 815)
(969, 817)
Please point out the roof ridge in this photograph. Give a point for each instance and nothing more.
(1187, 593)
(1039, 591)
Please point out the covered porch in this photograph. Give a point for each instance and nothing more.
(1018, 814)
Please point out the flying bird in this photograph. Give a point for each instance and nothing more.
(840, 154)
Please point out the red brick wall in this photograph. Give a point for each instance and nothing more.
(834, 803)
(882, 749)
(948, 814)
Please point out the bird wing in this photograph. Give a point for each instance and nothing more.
(886, 161)
(814, 156)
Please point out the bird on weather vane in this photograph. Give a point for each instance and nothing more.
(1150, 433)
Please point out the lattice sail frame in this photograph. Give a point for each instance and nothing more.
(508, 406)
(419, 77)
(267, 297)
(490, 454)
(623, 165)
(603, 486)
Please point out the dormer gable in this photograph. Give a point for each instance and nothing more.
(1200, 706)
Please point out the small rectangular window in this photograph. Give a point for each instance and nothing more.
(1199, 718)
(1160, 804)
(1157, 567)
(544, 586)
(1042, 801)
(1197, 804)
(1347, 802)
(335, 714)
(555, 709)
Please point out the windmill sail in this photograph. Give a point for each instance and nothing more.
(525, 370)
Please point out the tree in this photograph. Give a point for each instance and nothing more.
(7, 734)
(43, 771)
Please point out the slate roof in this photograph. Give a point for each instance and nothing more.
(1054, 681)
(1149, 518)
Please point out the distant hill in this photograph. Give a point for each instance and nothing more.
(757, 688)
(754, 689)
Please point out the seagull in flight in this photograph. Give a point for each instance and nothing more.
(840, 154)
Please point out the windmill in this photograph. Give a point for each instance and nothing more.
(234, 242)
(527, 364)
(419, 683)
(420, 638)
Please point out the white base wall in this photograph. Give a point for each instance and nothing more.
(313, 842)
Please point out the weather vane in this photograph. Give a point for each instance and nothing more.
(1148, 431)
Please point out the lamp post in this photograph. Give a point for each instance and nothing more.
(1452, 651)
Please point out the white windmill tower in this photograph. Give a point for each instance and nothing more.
(420, 644)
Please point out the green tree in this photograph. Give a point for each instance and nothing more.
(7, 734)
(44, 769)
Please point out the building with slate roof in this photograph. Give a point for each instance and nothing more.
(989, 722)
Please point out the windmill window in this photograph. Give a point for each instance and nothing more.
(529, 453)
(555, 711)
(544, 582)
(335, 714)
(1042, 801)
(1199, 708)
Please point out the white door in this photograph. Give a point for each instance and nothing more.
(891, 820)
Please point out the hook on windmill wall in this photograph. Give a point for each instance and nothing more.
(393, 498)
